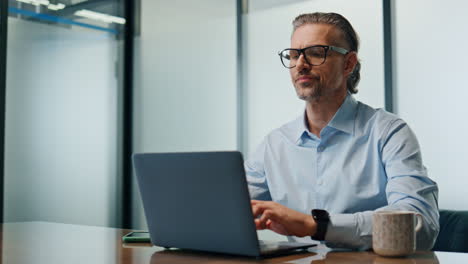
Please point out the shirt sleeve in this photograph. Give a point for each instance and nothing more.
(255, 173)
(408, 189)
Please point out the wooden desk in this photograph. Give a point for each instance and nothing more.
(41, 242)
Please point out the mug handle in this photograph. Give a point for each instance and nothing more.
(420, 222)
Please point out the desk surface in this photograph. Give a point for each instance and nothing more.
(41, 242)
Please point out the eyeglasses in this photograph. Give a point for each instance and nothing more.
(313, 55)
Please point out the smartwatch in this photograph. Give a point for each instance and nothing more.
(322, 218)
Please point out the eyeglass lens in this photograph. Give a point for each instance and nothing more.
(313, 55)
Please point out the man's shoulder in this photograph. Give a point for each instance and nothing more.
(375, 118)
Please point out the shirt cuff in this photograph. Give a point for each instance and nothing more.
(344, 231)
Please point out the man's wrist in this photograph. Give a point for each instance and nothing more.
(322, 219)
(311, 225)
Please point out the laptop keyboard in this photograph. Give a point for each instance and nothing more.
(280, 246)
(268, 245)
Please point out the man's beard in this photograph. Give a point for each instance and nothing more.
(310, 93)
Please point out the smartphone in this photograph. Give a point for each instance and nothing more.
(137, 237)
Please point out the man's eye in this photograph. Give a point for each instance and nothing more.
(316, 53)
(293, 56)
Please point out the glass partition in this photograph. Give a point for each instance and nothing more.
(61, 128)
(3, 28)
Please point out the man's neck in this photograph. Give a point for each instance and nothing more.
(321, 110)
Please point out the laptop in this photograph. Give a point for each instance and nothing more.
(200, 201)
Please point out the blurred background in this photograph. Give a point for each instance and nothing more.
(85, 83)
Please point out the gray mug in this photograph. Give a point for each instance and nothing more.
(394, 232)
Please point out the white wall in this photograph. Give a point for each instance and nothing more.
(430, 66)
(185, 79)
(257, 5)
(270, 97)
(61, 112)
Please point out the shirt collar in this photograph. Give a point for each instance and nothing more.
(300, 128)
(345, 116)
(343, 119)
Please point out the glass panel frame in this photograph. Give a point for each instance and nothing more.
(3, 43)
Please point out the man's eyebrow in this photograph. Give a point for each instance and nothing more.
(315, 45)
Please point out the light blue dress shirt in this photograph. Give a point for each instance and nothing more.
(366, 159)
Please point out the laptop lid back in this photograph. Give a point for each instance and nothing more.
(197, 201)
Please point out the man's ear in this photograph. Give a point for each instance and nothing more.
(350, 62)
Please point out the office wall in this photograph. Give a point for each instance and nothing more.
(61, 112)
(430, 68)
(185, 80)
(257, 5)
(270, 97)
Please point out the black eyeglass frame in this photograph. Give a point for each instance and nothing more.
(302, 51)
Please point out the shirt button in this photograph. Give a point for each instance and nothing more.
(319, 182)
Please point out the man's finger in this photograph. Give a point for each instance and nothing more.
(278, 228)
(262, 220)
(254, 210)
(259, 224)
(262, 203)
(257, 210)
(266, 215)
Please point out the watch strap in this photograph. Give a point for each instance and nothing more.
(322, 219)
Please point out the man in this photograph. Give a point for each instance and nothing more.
(341, 158)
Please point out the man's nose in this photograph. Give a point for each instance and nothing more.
(302, 64)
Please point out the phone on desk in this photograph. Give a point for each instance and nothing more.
(137, 237)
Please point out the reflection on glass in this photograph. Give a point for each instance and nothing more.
(98, 15)
(183, 256)
(350, 257)
(36, 242)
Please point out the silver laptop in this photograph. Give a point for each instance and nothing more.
(200, 201)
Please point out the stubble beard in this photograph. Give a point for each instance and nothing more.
(308, 92)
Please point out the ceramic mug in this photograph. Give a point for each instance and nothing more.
(394, 232)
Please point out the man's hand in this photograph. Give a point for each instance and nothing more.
(282, 220)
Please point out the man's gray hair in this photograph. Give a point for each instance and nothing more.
(350, 37)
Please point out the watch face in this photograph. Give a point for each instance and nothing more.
(320, 214)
